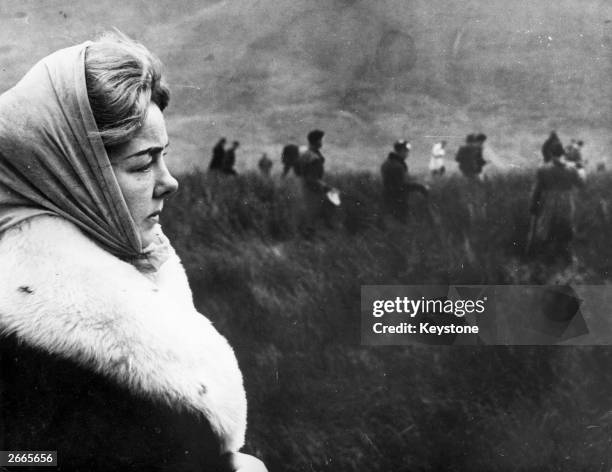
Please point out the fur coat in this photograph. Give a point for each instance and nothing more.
(113, 369)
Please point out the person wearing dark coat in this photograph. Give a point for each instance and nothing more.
(470, 156)
(553, 210)
(229, 160)
(265, 165)
(311, 163)
(396, 186)
(310, 168)
(289, 157)
(552, 147)
(103, 356)
(218, 153)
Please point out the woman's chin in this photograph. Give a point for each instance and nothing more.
(148, 237)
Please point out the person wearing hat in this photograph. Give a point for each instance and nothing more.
(396, 186)
(310, 167)
(311, 163)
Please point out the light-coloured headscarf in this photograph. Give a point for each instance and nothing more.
(53, 162)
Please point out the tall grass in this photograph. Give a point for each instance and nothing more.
(291, 308)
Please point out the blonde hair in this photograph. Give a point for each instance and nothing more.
(123, 78)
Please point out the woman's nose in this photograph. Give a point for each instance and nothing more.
(166, 184)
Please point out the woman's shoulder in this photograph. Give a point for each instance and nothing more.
(62, 294)
(57, 286)
(48, 234)
(51, 403)
(49, 248)
(49, 263)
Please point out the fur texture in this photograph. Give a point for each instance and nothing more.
(61, 293)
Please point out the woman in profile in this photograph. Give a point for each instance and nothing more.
(104, 358)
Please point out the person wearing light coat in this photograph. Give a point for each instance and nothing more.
(104, 357)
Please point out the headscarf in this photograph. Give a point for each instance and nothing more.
(52, 160)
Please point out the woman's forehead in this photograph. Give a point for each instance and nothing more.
(152, 134)
(153, 129)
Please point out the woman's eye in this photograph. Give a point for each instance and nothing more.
(144, 167)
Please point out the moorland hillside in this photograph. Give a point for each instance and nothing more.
(267, 71)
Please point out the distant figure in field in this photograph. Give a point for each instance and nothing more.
(265, 165)
(310, 167)
(229, 159)
(218, 153)
(573, 152)
(436, 163)
(552, 147)
(470, 156)
(396, 184)
(289, 156)
(552, 209)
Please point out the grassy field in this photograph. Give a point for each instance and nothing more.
(268, 71)
(321, 401)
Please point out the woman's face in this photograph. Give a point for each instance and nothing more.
(142, 174)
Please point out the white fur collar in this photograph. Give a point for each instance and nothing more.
(60, 292)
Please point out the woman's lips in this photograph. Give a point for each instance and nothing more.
(154, 216)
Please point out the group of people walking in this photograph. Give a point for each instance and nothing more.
(469, 157)
(315, 199)
(223, 160)
(101, 345)
(553, 148)
(551, 209)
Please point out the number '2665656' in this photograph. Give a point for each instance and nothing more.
(31, 458)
